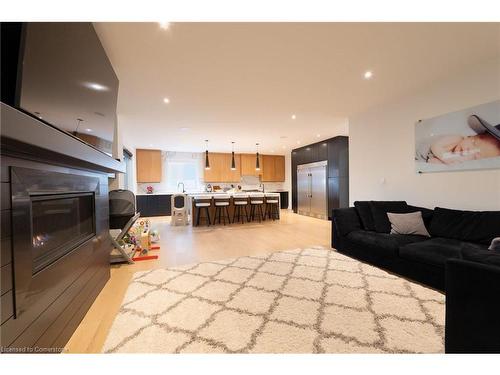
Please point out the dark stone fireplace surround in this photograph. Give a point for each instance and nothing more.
(42, 306)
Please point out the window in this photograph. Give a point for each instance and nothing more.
(128, 178)
(185, 171)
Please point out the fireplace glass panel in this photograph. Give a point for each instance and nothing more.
(60, 223)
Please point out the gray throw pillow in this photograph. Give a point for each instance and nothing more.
(495, 245)
(410, 223)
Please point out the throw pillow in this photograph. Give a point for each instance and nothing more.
(379, 212)
(365, 214)
(410, 223)
(495, 245)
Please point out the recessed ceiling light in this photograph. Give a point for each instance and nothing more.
(272, 150)
(88, 130)
(164, 25)
(283, 147)
(318, 135)
(184, 129)
(166, 100)
(294, 117)
(95, 86)
(368, 74)
(298, 142)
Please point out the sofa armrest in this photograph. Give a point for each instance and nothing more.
(472, 307)
(345, 220)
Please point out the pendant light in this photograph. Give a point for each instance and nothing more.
(233, 163)
(207, 162)
(257, 163)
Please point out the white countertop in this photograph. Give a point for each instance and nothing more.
(209, 193)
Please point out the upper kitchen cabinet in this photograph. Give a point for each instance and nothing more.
(228, 175)
(248, 162)
(214, 174)
(149, 165)
(220, 168)
(273, 168)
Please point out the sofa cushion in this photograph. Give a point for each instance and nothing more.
(427, 214)
(481, 256)
(379, 213)
(436, 251)
(382, 243)
(365, 214)
(471, 226)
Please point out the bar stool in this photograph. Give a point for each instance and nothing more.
(256, 203)
(240, 201)
(272, 205)
(221, 202)
(202, 202)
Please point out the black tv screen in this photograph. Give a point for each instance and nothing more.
(66, 79)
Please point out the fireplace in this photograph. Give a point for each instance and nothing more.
(54, 215)
(60, 223)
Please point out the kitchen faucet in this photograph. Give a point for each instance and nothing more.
(183, 189)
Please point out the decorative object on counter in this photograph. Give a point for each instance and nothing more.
(233, 163)
(207, 162)
(149, 189)
(257, 163)
(209, 188)
(179, 210)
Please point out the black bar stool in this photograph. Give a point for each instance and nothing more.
(203, 202)
(256, 203)
(272, 206)
(221, 203)
(240, 202)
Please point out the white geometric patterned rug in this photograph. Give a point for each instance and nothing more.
(299, 301)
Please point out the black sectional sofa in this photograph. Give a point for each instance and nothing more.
(455, 259)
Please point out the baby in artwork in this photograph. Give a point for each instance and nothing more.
(454, 148)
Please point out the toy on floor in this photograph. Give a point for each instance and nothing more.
(141, 236)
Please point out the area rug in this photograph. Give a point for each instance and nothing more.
(311, 300)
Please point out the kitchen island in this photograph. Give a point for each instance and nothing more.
(230, 208)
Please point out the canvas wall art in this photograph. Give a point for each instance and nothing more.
(463, 140)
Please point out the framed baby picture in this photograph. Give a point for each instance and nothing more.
(463, 140)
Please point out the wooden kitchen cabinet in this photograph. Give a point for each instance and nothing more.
(273, 168)
(220, 168)
(148, 165)
(214, 174)
(248, 165)
(229, 175)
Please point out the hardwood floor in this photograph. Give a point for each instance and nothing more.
(184, 245)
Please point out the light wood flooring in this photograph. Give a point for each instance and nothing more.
(184, 245)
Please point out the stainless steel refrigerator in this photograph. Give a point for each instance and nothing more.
(312, 196)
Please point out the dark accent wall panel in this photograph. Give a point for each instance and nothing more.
(77, 278)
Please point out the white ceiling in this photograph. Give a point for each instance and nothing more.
(243, 81)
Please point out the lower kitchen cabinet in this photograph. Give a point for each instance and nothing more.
(283, 200)
(154, 205)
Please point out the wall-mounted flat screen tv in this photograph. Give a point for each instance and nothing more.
(65, 78)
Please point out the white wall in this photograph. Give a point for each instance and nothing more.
(382, 144)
